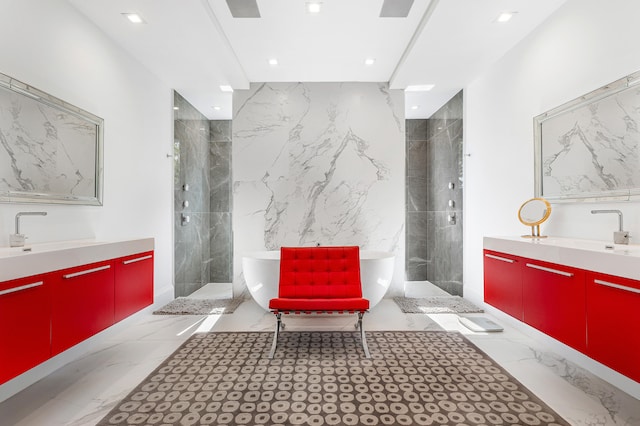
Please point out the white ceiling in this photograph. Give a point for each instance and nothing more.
(196, 45)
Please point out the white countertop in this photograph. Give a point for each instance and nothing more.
(15, 262)
(621, 261)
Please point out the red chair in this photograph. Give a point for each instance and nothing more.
(319, 280)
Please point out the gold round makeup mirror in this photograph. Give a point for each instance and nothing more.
(532, 213)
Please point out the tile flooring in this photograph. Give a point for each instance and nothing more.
(83, 391)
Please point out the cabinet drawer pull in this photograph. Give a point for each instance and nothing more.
(618, 286)
(504, 259)
(88, 271)
(553, 271)
(137, 259)
(20, 288)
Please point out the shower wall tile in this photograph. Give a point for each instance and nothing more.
(434, 248)
(221, 248)
(416, 130)
(220, 177)
(417, 157)
(417, 163)
(416, 194)
(417, 256)
(220, 130)
(444, 247)
(444, 241)
(319, 163)
(445, 153)
(192, 247)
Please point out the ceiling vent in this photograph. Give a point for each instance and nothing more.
(243, 8)
(394, 8)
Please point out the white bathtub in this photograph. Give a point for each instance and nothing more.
(262, 270)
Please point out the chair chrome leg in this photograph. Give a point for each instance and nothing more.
(275, 335)
(363, 337)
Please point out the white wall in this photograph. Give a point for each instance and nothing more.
(51, 46)
(583, 46)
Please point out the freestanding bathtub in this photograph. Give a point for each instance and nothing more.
(262, 271)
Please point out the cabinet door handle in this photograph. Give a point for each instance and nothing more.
(20, 288)
(553, 271)
(88, 271)
(618, 286)
(503, 259)
(137, 259)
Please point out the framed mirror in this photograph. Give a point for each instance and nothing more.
(532, 213)
(50, 151)
(588, 149)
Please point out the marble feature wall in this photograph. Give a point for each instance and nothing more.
(318, 163)
(434, 182)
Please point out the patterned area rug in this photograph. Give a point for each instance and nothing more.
(436, 305)
(189, 306)
(323, 378)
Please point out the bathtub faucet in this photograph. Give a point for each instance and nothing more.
(619, 236)
(17, 239)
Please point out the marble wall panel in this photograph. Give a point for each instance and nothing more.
(416, 200)
(221, 248)
(192, 240)
(416, 130)
(220, 176)
(220, 130)
(444, 239)
(417, 258)
(444, 251)
(318, 163)
(445, 167)
(434, 159)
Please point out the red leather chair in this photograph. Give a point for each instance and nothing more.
(317, 280)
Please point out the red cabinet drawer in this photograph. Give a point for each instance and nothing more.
(554, 301)
(613, 322)
(133, 284)
(503, 282)
(82, 304)
(24, 325)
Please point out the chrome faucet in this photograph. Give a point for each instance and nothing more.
(17, 239)
(619, 236)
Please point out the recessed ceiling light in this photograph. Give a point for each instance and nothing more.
(217, 108)
(175, 108)
(313, 6)
(419, 88)
(369, 61)
(415, 107)
(134, 18)
(226, 88)
(505, 16)
(273, 62)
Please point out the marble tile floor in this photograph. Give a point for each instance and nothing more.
(83, 391)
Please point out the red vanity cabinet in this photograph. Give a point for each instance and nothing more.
(82, 303)
(133, 284)
(613, 321)
(554, 301)
(24, 325)
(503, 282)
